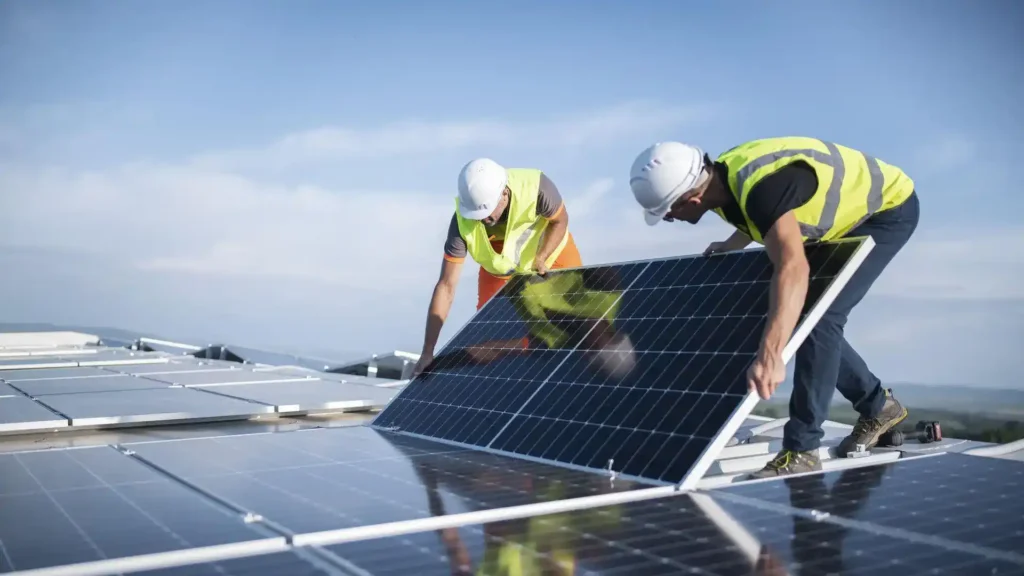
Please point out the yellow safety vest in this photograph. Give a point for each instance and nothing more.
(561, 293)
(523, 229)
(851, 184)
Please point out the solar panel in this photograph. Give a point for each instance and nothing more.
(7, 364)
(48, 373)
(152, 405)
(46, 352)
(308, 395)
(640, 367)
(108, 383)
(169, 367)
(66, 506)
(686, 534)
(968, 499)
(21, 414)
(327, 479)
(222, 377)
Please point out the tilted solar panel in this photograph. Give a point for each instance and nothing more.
(638, 367)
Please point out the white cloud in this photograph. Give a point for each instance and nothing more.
(949, 152)
(958, 263)
(331, 143)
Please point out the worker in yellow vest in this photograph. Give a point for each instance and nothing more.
(782, 192)
(509, 220)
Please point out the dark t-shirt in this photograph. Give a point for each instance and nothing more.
(787, 189)
(549, 204)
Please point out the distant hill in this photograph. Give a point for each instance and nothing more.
(958, 398)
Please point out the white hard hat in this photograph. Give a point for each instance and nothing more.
(615, 359)
(661, 174)
(481, 183)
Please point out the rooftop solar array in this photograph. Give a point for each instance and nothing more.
(638, 367)
(167, 390)
(360, 501)
(474, 468)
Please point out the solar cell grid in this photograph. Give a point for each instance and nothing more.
(963, 498)
(503, 355)
(686, 534)
(648, 368)
(344, 478)
(78, 505)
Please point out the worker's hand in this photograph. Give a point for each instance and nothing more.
(716, 247)
(765, 374)
(540, 267)
(425, 360)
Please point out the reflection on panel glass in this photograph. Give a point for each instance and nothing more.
(634, 368)
(501, 358)
(692, 533)
(342, 478)
(80, 505)
(955, 496)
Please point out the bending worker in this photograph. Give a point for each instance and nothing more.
(509, 220)
(781, 192)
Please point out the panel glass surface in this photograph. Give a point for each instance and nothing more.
(963, 498)
(341, 478)
(308, 395)
(6, 390)
(152, 405)
(33, 362)
(67, 506)
(21, 414)
(500, 358)
(48, 373)
(172, 366)
(215, 377)
(109, 383)
(647, 369)
(667, 536)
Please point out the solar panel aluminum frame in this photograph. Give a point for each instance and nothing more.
(732, 425)
(800, 334)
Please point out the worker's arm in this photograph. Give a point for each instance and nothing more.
(440, 305)
(738, 241)
(785, 247)
(553, 234)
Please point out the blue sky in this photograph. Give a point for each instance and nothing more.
(281, 174)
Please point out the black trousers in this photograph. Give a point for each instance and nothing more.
(826, 361)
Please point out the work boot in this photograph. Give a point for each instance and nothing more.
(790, 462)
(867, 431)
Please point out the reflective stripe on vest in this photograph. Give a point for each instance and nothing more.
(882, 185)
(523, 229)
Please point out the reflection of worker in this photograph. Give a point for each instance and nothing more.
(508, 220)
(517, 547)
(782, 192)
(563, 310)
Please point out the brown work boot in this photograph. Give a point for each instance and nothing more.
(867, 431)
(790, 462)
